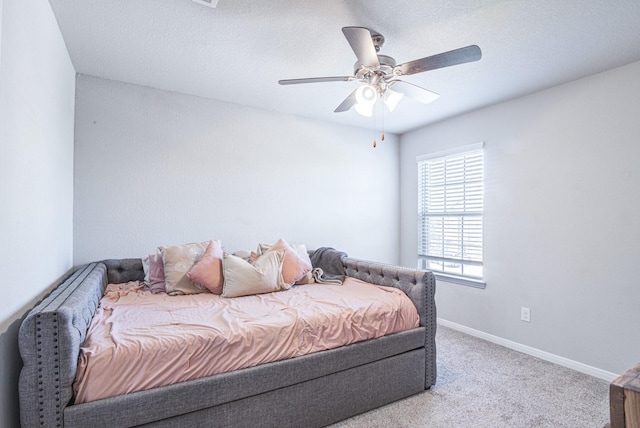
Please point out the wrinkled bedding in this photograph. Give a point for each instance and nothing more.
(138, 340)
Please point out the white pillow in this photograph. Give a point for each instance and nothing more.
(242, 278)
(145, 268)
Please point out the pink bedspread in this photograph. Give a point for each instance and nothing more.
(138, 340)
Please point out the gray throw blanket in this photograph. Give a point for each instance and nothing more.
(327, 265)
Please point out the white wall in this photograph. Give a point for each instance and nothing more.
(154, 167)
(562, 224)
(37, 84)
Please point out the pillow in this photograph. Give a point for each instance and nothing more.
(207, 272)
(301, 249)
(296, 263)
(243, 254)
(145, 269)
(156, 274)
(178, 260)
(242, 278)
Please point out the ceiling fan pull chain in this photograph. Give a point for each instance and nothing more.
(375, 114)
(382, 131)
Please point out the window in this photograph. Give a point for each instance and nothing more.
(450, 211)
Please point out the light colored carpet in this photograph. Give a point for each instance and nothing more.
(481, 384)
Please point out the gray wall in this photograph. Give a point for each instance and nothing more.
(37, 84)
(562, 231)
(155, 168)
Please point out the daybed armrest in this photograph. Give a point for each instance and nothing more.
(419, 285)
(49, 341)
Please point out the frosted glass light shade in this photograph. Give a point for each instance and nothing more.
(364, 109)
(365, 100)
(392, 99)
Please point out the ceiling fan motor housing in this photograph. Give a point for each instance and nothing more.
(386, 67)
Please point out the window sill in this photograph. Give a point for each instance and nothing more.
(470, 282)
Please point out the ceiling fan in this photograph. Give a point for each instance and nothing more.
(379, 73)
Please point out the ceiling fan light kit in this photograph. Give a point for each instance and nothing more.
(378, 73)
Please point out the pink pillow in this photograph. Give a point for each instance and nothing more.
(294, 267)
(156, 273)
(208, 270)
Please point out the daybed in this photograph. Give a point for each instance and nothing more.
(316, 389)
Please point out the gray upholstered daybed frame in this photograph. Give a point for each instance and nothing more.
(313, 390)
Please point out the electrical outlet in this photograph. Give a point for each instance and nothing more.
(525, 314)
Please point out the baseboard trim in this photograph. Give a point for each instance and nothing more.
(543, 355)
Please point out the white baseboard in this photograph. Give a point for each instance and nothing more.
(543, 355)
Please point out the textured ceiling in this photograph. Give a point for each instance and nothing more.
(238, 51)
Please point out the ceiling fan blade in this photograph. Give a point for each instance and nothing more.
(316, 80)
(414, 92)
(348, 102)
(445, 59)
(360, 40)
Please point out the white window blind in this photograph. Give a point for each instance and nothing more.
(450, 211)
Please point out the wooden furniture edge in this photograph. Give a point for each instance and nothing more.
(624, 399)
